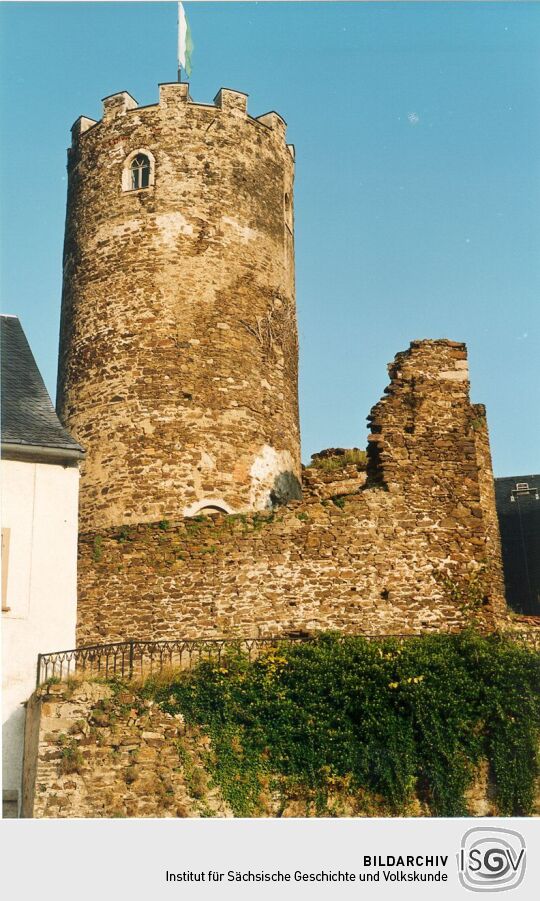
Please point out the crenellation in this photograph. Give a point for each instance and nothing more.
(173, 93)
(276, 122)
(80, 126)
(118, 105)
(174, 99)
(231, 101)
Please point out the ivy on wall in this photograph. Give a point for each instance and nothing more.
(397, 718)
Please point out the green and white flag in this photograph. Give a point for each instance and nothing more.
(185, 44)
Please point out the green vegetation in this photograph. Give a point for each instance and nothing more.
(71, 759)
(195, 776)
(97, 550)
(259, 520)
(469, 592)
(388, 719)
(477, 424)
(339, 460)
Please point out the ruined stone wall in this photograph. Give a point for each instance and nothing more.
(178, 347)
(486, 483)
(93, 752)
(375, 560)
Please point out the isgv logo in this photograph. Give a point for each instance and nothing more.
(491, 860)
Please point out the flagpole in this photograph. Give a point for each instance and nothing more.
(178, 44)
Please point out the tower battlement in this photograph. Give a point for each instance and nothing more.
(174, 100)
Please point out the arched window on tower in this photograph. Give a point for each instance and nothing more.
(140, 172)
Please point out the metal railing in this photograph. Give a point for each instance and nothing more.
(133, 658)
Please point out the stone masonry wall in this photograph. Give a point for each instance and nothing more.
(178, 346)
(488, 506)
(375, 560)
(93, 752)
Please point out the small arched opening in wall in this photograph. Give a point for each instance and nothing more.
(139, 171)
(208, 507)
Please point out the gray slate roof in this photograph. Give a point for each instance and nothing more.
(28, 416)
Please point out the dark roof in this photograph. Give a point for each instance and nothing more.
(518, 508)
(28, 416)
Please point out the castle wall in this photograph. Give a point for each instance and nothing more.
(488, 504)
(91, 753)
(178, 346)
(376, 560)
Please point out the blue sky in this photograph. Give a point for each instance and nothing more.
(417, 129)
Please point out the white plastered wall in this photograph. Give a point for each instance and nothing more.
(39, 507)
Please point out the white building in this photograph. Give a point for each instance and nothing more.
(39, 492)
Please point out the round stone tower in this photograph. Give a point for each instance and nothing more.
(178, 340)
